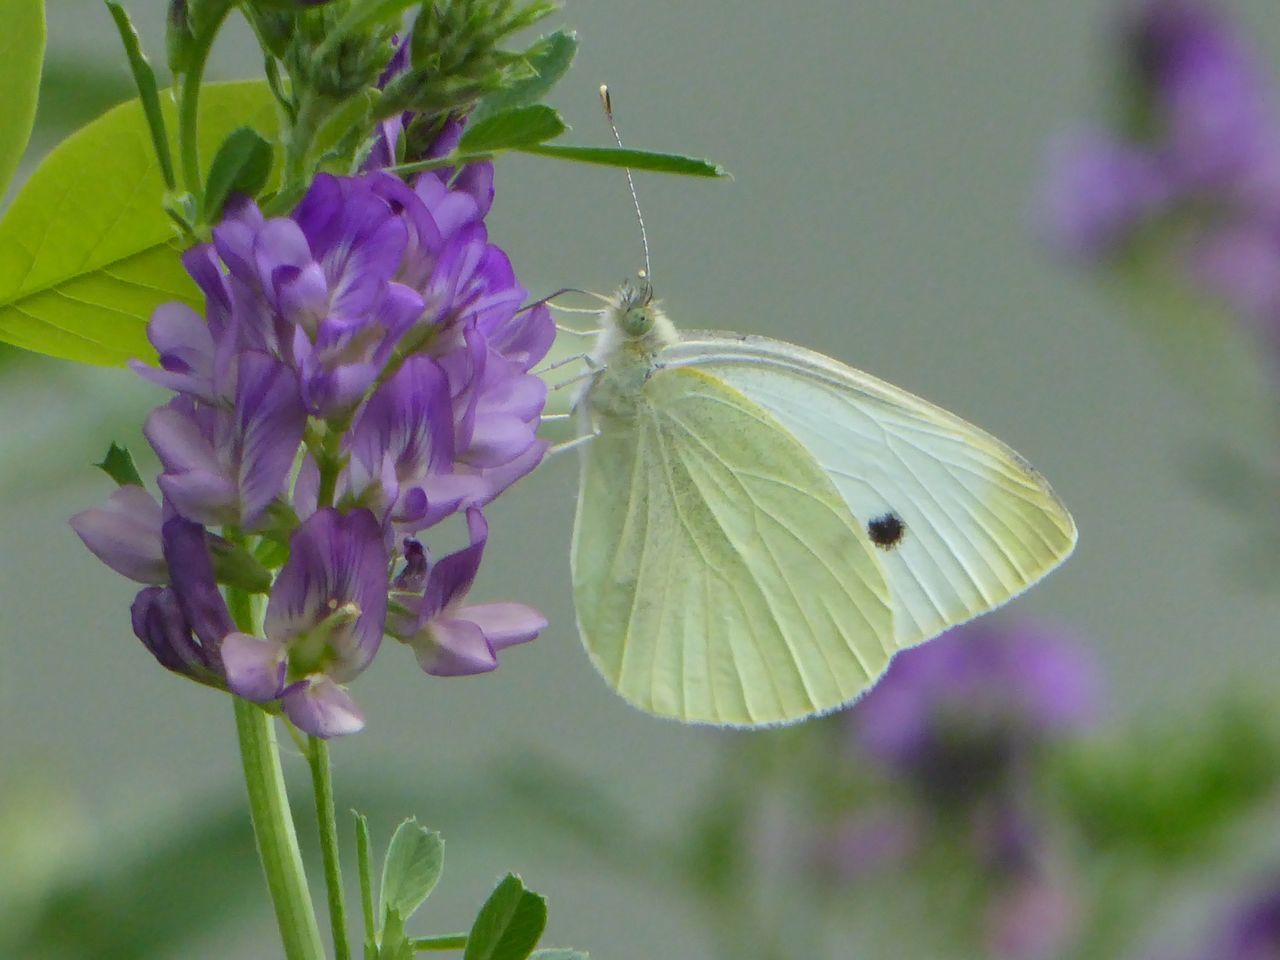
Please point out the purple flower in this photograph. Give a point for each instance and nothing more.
(450, 638)
(125, 534)
(1195, 170)
(1097, 192)
(1251, 932)
(368, 351)
(1207, 91)
(1034, 918)
(323, 625)
(402, 453)
(954, 714)
(228, 465)
(184, 625)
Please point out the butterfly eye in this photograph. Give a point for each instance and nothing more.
(636, 322)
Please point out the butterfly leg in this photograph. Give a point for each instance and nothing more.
(595, 371)
(562, 362)
(574, 331)
(568, 445)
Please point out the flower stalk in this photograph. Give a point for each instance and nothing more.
(327, 823)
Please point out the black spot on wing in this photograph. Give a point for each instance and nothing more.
(886, 532)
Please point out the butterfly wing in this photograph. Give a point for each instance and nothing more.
(718, 574)
(977, 524)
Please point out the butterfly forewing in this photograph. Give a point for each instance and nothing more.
(961, 522)
(719, 575)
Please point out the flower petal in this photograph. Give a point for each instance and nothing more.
(124, 534)
(505, 624)
(322, 708)
(453, 648)
(255, 667)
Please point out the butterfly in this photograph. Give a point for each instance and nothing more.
(760, 528)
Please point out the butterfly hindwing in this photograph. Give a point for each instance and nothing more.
(962, 522)
(719, 576)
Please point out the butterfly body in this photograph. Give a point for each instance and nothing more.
(760, 528)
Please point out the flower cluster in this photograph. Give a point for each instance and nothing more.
(1193, 172)
(955, 727)
(362, 372)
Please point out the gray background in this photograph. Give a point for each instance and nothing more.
(884, 158)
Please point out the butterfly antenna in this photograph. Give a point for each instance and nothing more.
(607, 102)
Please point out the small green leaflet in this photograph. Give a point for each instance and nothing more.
(149, 94)
(509, 924)
(415, 860)
(119, 466)
(86, 250)
(512, 129)
(549, 59)
(242, 165)
(635, 159)
(21, 55)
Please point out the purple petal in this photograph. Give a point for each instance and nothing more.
(255, 667)
(407, 420)
(333, 561)
(124, 534)
(453, 576)
(270, 420)
(191, 570)
(185, 347)
(158, 621)
(322, 708)
(453, 648)
(505, 624)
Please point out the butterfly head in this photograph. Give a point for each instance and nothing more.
(633, 310)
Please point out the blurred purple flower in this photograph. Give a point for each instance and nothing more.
(1033, 918)
(1097, 191)
(1194, 168)
(955, 713)
(1251, 932)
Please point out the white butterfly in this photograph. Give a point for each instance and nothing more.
(760, 527)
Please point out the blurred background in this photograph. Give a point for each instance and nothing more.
(888, 161)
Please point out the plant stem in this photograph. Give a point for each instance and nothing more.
(272, 819)
(273, 828)
(327, 821)
(189, 108)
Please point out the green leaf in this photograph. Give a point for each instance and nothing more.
(21, 54)
(149, 94)
(415, 860)
(509, 924)
(119, 466)
(549, 59)
(242, 165)
(635, 159)
(517, 127)
(559, 954)
(87, 251)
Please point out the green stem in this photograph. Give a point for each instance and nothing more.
(327, 820)
(189, 107)
(273, 828)
(311, 113)
(272, 819)
(455, 941)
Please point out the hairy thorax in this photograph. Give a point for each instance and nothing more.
(624, 363)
